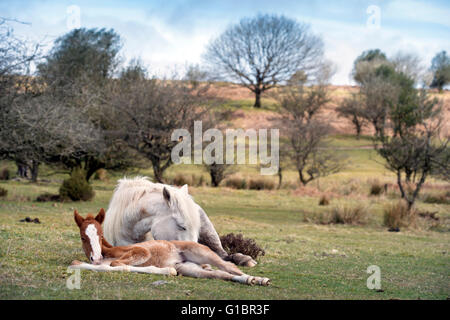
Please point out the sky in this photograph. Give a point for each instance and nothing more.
(169, 34)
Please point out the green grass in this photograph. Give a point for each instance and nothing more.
(305, 260)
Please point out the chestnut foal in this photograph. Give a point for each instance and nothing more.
(187, 258)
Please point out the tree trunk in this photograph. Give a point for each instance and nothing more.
(280, 177)
(257, 98)
(158, 172)
(34, 171)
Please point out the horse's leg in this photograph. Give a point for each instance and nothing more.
(202, 255)
(209, 237)
(193, 270)
(104, 267)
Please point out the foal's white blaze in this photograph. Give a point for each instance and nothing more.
(91, 232)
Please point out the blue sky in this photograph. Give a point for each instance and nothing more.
(168, 34)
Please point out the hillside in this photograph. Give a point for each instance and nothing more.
(240, 100)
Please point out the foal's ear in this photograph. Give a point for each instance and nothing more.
(100, 216)
(78, 219)
(166, 195)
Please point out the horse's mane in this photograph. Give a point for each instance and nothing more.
(125, 206)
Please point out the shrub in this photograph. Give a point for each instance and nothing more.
(4, 174)
(76, 188)
(436, 198)
(48, 197)
(324, 201)
(3, 192)
(236, 183)
(101, 174)
(261, 184)
(232, 243)
(345, 215)
(181, 179)
(376, 188)
(397, 215)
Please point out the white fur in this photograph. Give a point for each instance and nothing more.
(138, 206)
(91, 232)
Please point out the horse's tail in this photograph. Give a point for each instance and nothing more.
(123, 207)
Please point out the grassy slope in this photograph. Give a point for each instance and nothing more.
(301, 257)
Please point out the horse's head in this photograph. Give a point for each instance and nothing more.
(183, 222)
(91, 235)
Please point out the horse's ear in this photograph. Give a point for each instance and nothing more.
(184, 189)
(100, 216)
(78, 219)
(166, 195)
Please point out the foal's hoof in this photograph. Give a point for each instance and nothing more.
(76, 263)
(263, 281)
(207, 267)
(251, 281)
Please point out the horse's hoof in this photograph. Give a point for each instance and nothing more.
(251, 263)
(265, 282)
(243, 260)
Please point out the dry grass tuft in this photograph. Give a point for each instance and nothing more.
(397, 216)
(232, 243)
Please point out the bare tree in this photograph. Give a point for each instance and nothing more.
(264, 51)
(42, 130)
(352, 108)
(148, 111)
(306, 132)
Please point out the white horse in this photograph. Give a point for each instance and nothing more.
(141, 210)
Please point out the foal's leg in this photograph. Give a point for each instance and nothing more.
(104, 267)
(190, 269)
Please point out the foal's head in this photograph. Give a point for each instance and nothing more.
(91, 235)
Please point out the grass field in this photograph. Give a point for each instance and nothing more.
(305, 260)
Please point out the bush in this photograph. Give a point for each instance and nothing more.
(436, 198)
(76, 188)
(3, 192)
(261, 184)
(397, 215)
(101, 174)
(324, 201)
(376, 188)
(345, 215)
(232, 243)
(236, 183)
(181, 179)
(4, 174)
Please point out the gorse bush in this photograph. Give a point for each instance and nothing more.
(76, 188)
(376, 188)
(191, 180)
(436, 198)
(101, 174)
(397, 215)
(345, 215)
(236, 183)
(4, 174)
(261, 184)
(3, 192)
(324, 201)
(232, 243)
